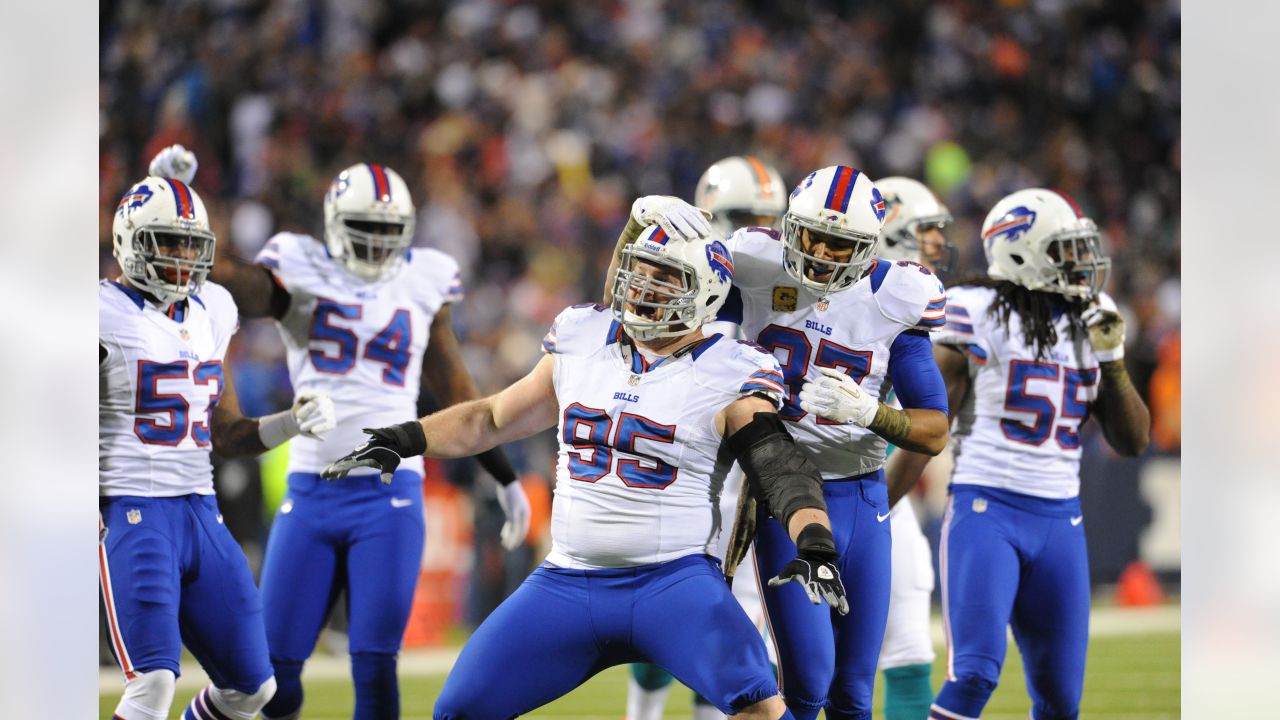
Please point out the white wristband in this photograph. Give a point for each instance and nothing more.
(275, 429)
(1116, 353)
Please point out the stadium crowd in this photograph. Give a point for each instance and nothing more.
(525, 129)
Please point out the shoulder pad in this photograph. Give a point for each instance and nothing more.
(757, 256)
(440, 270)
(581, 329)
(966, 320)
(755, 371)
(908, 293)
(290, 257)
(221, 306)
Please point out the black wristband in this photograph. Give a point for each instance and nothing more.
(495, 462)
(407, 438)
(816, 541)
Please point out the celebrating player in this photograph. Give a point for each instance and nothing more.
(816, 297)
(362, 318)
(738, 191)
(1027, 355)
(170, 572)
(651, 416)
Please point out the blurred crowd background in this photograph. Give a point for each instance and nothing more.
(525, 130)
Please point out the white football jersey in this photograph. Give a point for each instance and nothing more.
(1018, 427)
(641, 466)
(852, 330)
(156, 389)
(359, 342)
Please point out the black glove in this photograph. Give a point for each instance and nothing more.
(383, 450)
(815, 568)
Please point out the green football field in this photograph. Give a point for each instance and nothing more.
(1129, 677)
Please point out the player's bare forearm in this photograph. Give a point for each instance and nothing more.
(803, 518)
(525, 407)
(628, 236)
(921, 430)
(1125, 420)
(256, 293)
(902, 471)
(230, 432)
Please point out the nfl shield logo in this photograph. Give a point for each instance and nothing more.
(979, 504)
(823, 304)
(184, 334)
(134, 516)
(633, 380)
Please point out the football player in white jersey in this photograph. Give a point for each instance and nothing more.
(1028, 355)
(913, 231)
(738, 191)
(846, 327)
(367, 320)
(170, 572)
(651, 414)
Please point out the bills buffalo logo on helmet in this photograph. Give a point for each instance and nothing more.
(720, 260)
(1012, 226)
(135, 198)
(877, 204)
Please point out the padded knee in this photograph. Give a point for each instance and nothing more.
(148, 695)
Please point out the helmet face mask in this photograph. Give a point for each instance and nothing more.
(831, 230)
(1040, 240)
(669, 288)
(162, 240)
(369, 220)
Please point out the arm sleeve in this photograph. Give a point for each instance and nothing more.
(914, 373)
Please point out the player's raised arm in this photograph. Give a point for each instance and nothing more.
(791, 488)
(1125, 420)
(255, 292)
(525, 407)
(903, 469)
(233, 435)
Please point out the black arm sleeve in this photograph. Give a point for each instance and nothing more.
(495, 462)
(779, 473)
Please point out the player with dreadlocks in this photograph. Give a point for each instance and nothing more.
(1028, 354)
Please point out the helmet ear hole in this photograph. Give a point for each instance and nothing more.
(1017, 259)
(712, 300)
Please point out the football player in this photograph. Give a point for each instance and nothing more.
(850, 326)
(363, 317)
(651, 414)
(170, 572)
(913, 231)
(1028, 354)
(738, 191)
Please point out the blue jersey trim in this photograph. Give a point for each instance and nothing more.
(879, 269)
(704, 345)
(731, 311)
(199, 301)
(615, 332)
(914, 373)
(132, 293)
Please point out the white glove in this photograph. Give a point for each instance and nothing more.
(314, 414)
(175, 162)
(677, 217)
(1106, 333)
(835, 396)
(515, 504)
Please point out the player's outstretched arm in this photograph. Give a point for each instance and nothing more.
(904, 467)
(1125, 420)
(791, 487)
(525, 407)
(234, 435)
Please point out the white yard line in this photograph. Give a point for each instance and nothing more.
(1104, 622)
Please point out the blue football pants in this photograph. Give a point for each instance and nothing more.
(825, 659)
(355, 534)
(1012, 559)
(172, 575)
(562, 626)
